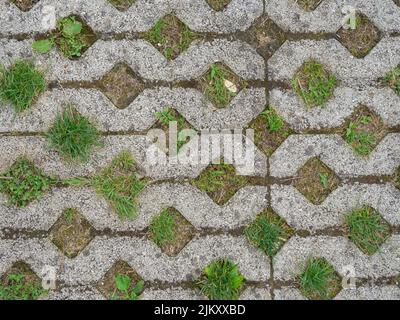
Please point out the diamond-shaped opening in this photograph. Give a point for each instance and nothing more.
(364, 130)
(361, 40)
(170, 36)
(170, 116)
(316, 181)
(270, 131)
(73, 135)
(220, 182)
(121, 282)
(21, 85)
(392, 79)
(397, 278)
(171, 231)
(71, 233)
(221, 280)
(20, 282)
(218, 5)
(308, 5)
(266, 36)
(367, 229)
(122, 5)
(120, 183)
(121, 85)
(24, 183)
(221, 85)
(319, 280)
(314, 83)
(73, 36)
(397, 2)
(396, 178)
(25, 5)
(268, 232)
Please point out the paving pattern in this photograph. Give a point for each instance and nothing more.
(267, 64)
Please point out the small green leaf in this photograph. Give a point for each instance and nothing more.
(71, 28)
(43, 46)
(138, 288)
(122, 282)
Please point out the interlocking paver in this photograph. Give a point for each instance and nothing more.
(221, 66)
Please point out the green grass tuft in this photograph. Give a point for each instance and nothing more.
(319, 280)
(120, 185)
(20, 85)
(314, 84)
(362, 142)
(168, 115)
(367, 229)
(69, 215)
(23, 183)
(221, 280)
(163, 228)
(274, 120)
(393, 79)
(268, 232)
(73, 135)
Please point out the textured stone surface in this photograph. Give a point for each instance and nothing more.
(264, 43)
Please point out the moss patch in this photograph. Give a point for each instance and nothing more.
(20, 85)
(367, 229)
(314, 83)
(270, 131)
(268, 232)
(25, 5)
(363, 39)
(71, 233)
(220, 182)
(170, 36)
(309, 5)
(24, 183)
(20, 283)
(110, 288)
(221, 280)
(122, 5)
(364, 130)
(171, 231)
(121, 85)
(319, 280)
(266, 36)
(218, 5)
(220, 85)
(316, 181)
